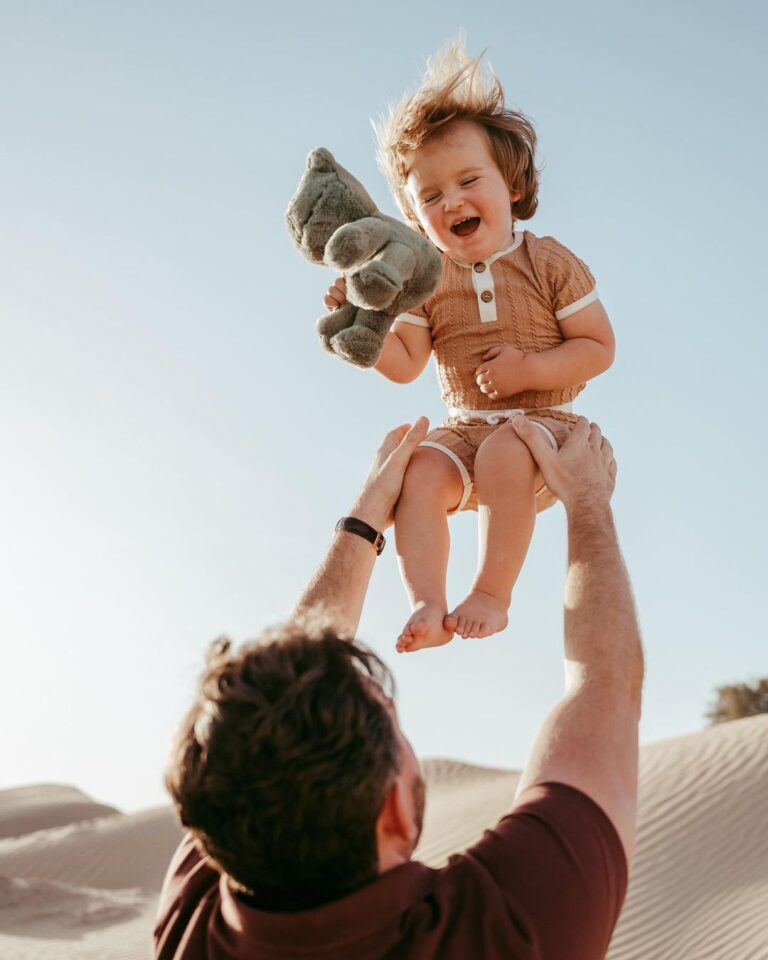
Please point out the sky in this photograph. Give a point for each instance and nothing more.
(176, 446)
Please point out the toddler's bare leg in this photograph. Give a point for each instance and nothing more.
(431, 488)
(506, 478)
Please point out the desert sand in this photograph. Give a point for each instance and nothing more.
(78, 879)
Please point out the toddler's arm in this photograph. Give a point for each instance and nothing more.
(587, 351)
(406, 348)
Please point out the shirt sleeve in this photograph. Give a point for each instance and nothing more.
(418, 317)
(568, 279)
(560, 867)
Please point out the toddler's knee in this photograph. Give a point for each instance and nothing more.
(505, 446)
(430, 473)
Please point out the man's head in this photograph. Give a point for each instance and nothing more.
(455, 93)
(291, 770)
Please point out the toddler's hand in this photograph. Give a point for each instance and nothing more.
(502, 372)
(336, 295)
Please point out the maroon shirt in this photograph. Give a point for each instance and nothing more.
(547, 883)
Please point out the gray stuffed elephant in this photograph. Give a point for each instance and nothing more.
(390, 268)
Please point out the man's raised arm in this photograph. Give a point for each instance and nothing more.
(590, 740)
(337, 590)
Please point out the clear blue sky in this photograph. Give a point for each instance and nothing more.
(175, 445)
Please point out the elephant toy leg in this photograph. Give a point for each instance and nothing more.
(361, 343)
(333, 323)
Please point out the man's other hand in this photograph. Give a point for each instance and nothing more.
(583, 469)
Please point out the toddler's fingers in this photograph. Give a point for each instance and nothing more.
(337, 293)
(492, 353)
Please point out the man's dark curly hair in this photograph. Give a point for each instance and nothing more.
(281, 766)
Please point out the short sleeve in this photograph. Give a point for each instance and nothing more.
(418, 317)
(568, 279)
(560, 867)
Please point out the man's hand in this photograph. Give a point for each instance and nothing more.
(582, 470)
(502, 373)
(377, 499)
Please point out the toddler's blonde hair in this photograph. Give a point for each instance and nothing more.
(455, 87)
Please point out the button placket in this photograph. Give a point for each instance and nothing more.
(482, 281)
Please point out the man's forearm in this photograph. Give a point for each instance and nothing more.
(602, 636)
(336, 593)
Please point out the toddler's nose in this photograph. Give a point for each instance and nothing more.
(453, 202)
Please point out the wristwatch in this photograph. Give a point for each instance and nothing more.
(364, 530)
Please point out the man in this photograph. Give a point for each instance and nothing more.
(304, 798)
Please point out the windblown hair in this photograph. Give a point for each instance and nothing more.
(456, 87)
(281, 766)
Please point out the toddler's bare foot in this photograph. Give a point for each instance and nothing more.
(424, 629)
(479, 615)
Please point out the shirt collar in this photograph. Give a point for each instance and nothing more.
(364, 914)
(517, 239)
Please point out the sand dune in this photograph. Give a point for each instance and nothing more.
(83, 890)
(112, 853)
(699, 888)
(72, 886)
(25, 809)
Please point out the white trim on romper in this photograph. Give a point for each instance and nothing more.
(551, 437)
(575, 307)
(496, 416)
(412, 319)
(463, 472)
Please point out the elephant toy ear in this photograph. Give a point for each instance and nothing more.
(327, 197)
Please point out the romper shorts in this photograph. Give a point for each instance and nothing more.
(460, 439)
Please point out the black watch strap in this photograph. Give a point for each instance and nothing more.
(364, 530)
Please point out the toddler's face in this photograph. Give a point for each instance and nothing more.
(460, 195)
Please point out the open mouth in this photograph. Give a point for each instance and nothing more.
(466, 227)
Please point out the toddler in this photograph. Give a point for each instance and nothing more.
(515, 326)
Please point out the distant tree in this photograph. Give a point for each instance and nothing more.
(736, 700)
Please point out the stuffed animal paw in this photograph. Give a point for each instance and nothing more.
(390, 268)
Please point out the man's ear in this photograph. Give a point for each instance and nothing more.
(396, 829)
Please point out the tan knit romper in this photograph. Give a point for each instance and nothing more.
(515, 298)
